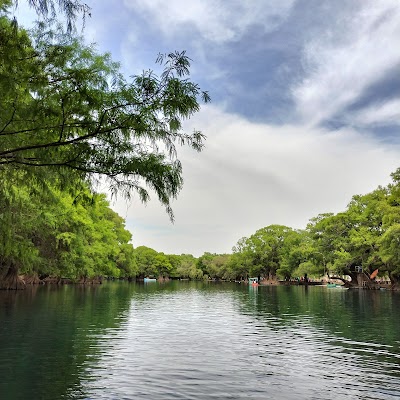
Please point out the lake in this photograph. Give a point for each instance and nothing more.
(195, 340)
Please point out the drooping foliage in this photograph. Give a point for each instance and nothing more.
(51, 9)
(69, 109)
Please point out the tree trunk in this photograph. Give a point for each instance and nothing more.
(9, 279)
(394, 282)
(32, 279)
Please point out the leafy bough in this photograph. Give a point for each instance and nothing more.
(67, 108)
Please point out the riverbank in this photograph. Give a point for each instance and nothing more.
(28, 280)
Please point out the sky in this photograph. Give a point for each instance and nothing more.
(304, 112)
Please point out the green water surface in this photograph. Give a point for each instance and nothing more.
(192, 340)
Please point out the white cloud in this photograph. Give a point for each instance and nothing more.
(345, 59)
(379, 114)
(253, 175)
(215, 20)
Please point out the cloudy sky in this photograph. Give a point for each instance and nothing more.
(305, 109)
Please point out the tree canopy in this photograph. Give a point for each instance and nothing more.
(68, 108)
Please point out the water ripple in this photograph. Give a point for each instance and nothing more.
(197, 346)
(208, 342)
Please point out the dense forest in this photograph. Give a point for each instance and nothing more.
(69, 120)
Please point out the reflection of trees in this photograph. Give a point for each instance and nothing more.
(357, 315)
(50, 334)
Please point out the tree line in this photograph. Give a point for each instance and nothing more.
(364, 237)
(50, 233)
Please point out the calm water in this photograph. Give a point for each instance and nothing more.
(199, 341)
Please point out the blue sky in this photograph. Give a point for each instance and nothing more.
(305, 109)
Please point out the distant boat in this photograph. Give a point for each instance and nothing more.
(146, 280)
(336, 286)
(253, 281)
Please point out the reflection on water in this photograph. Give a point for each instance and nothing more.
(198, 341)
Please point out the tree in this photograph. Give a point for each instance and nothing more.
(220, 264)
(18, 210)
(49, 233)
(67, 109)
(214, 266)
(162, 265)
(390, 252)
(48, 9)
(262, 253)
(298, 256)
(265, 248)
(145, 259)
(239, 262)
(351, 239)
(204, 264)
(390, 239)
(126, 261)
(187, 267)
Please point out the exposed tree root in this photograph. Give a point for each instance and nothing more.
(10, 280)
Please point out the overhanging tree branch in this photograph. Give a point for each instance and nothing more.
(74, 110)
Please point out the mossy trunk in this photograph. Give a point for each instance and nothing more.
(9, 278)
